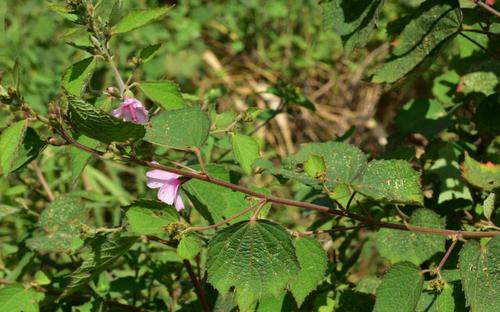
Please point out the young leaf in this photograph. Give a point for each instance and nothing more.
(99, 125)
(414, 247)
(480, 270)
(189, 246)
(59, 226)
(148, 52)
(105, 251)
(432, 25)
(148, 217)
(489, 205)
(76, 77)
(315, 166)
(11, 140)
(256, 258)
(485, 176)
(313, 263)
(166, 93)
(344, 162)
(246, 151)
(354, 21)
(400, 289)
(137, 18)
(182, 129)
(393, 181)
(17, 298)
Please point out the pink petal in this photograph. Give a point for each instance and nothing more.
(162, 175)
(178, 203)
(155, 183)
(168, 193)
(142, 115)
(117, 112)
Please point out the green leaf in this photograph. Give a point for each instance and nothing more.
(246, 151)
(137, 18)
(11, 141)
(189, 246)
(354, 21)
(400, 289)
(480, 270)
(148, 52)
(315, 166)
(59, 226)
(431, 26)
(447, 168)
(344, 162)
(29, 150)
(393, 181)
(480, 82)
(164, 92)
(79, 158)
(170, 129)
(6, 210)
(148, 217)
(424, 116)
(215, 202)
(486, 114)
(63, 11)
(448, 299)
(341, 193)
(313, 264)
(77, 76)
(485, 176)
(99, 125)
(489, 205)
(17, 298)
(256, 258)
(105, 251)
(398, 245)
(444, 86)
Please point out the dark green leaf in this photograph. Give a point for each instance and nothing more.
(148, 52)
(99, 125)
(431, 26)
(353, 20)
(400, 289)
(480, 270)
(409, 246)
(77, 76)
(11, 141)
(105, 251)
(256, 258)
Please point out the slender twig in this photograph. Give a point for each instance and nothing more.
(160, 240)
(197, 152)
(349, 202)
(43, 181)
(332, 230)
(214, 226)
(286, 201)
(446, 256)
(486, 7)
(197, 286)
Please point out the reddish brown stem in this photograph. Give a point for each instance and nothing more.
(286, 201)
(197, 286)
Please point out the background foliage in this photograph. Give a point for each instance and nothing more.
(351, 150)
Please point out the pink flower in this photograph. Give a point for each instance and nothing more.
(169, 184)
(132, 110)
